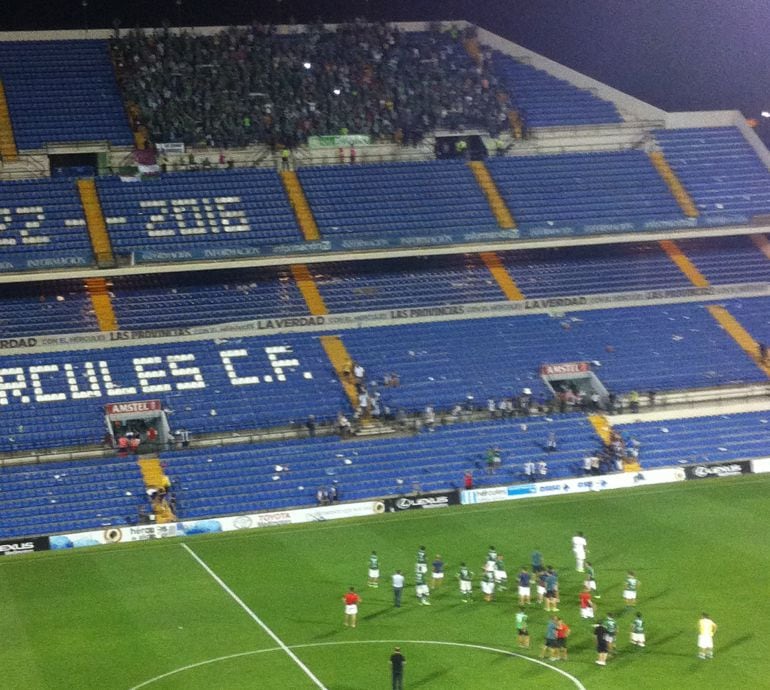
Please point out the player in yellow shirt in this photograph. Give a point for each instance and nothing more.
(706, 631)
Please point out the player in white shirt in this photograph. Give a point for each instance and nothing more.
(579, 548)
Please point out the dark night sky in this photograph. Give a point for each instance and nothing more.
(675, 54)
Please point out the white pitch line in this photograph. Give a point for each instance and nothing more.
(255, 618)
(254, 652)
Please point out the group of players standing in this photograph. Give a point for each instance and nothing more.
(494, 577)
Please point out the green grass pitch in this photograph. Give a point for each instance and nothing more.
(117, 617)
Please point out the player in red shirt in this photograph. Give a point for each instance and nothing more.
(586, 605)
(352, 600)
(562, 633)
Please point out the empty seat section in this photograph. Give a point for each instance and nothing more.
(64, 497)
(396, 199)
(247, 480)
(405, 283)
(592, 269)
(727, 259)
(701, 439)
(754, 315)
(62, 91)
(198, 299)
(206, 214)
(544, 100)
(721, 171)
(590, 192)
(659, 348)
(45, 308)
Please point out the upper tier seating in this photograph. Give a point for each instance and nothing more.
(405, 283)
(544, 100)
(192, 299)
(212, 482)
(593, 269)
(62, 91)
(396, 199)
(56, 400)
(727, 259)
(66, 497)
(45, 308)
(42, 225)
(211, 212)
(246, 85)
(720, 170)
(701, 439)
(601, 192)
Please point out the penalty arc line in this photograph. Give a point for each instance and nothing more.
(467, 645)
(281, 644)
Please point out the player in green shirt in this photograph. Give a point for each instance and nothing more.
(501, 576)
(488, 585)
(590, 581)
(421, 588)
(422, 561)
(637, 631)
(611, 626)
(521, 628)
(374, 570)
(631, 587)
(466, 585)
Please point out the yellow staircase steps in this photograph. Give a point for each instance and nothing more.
(340, 358)
(502, 277)
(300, 205)
(603, 430)
(8, 150)
(501, 211)
(674, 184)
(97, 228)
(685, 265)
(99, 292)
(307, 286)
(154, 478)
(739, 334)
(602, 427)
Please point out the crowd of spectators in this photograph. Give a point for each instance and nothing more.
(246, 85)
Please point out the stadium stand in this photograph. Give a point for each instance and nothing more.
(42, 225)
(62, 91)
(192, 299)
(238, 480)
(727, 259)
(210, 212)
(45, 308)
(407, 199)
(543, 100)
(716, 438)
(722, 173)
(69, 496)
(586, 270)
(405, 283)
(55, 400)
(658, 348)
(390, 85)
(242, 86)
(619, 189)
